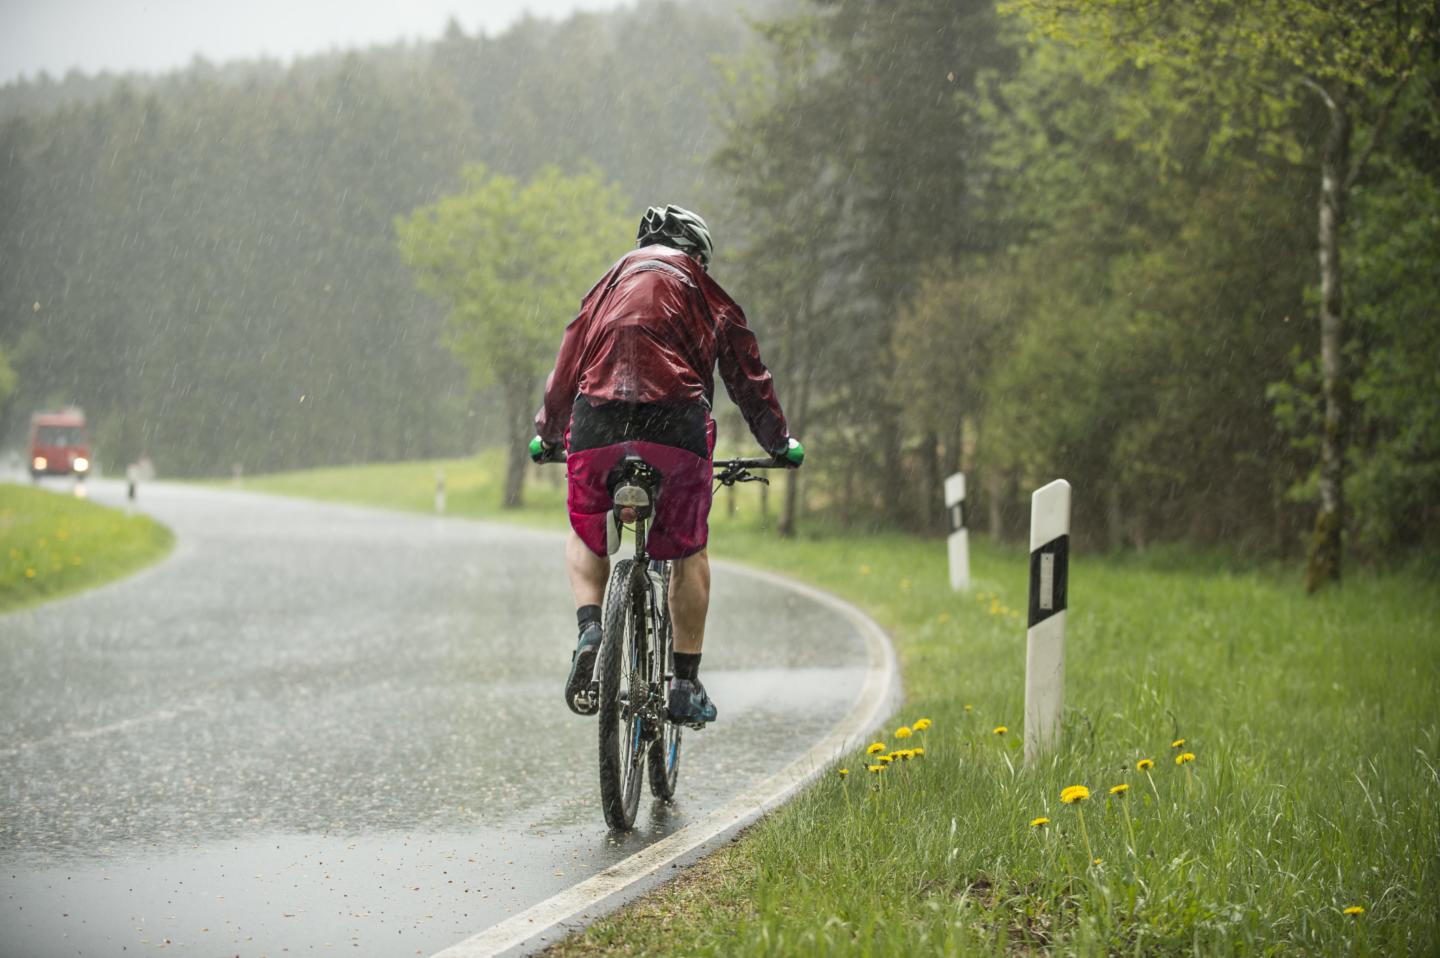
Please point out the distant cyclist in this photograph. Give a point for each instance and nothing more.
(635, 374)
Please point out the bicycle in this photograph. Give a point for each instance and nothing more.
(636, 661)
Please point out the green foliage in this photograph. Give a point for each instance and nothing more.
(1396, 246)
(1242, 71)
(509, 260)
(52, 545)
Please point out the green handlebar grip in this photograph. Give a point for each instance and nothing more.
(537, 448)
(794, 451)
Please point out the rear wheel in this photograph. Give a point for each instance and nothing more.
(623, 686)
(664, 754)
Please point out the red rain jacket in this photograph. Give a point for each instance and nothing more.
(651, 331)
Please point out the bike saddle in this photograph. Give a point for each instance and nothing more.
(634, 486)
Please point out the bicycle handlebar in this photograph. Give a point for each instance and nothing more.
(719, 465)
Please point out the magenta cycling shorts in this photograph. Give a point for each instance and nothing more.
(668, 438)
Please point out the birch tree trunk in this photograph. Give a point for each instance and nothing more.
(1323, 563)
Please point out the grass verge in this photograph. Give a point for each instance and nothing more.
(1313, 787)
(53, 544)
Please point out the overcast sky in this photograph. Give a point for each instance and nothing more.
(157, 35)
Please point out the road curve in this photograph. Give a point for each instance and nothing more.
(319, 728)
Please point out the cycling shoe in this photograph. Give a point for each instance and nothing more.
(580, 687)
(689, 705)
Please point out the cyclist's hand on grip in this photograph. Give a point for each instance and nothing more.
(542, 451)
(791, 455)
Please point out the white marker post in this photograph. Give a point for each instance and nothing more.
(1045, 640)
(959, 538)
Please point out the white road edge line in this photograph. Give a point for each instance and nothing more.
(541, 925)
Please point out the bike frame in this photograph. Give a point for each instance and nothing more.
(644, 727)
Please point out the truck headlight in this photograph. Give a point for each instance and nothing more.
(39, 463)
(81, 463)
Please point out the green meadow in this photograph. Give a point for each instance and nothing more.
(53, 544)
(1304, 818)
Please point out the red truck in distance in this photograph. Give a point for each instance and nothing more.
(59, 445)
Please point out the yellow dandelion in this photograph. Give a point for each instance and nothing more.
(1355, 910)
(903, 732)
(1144, 765)
(917, 751)
(1184, 757)
(76, 560)
(875, 747)
(864, 570)
(1000, 730)
(874, 769)
(844, 771)
(922, 724)
(1039, 822)
(62, 534)
(1073, 794)
(1120, 789)
(969, 707)
(943, 617)
(29, 573)
(1098, 860)
(887, 759)
(1178, 743)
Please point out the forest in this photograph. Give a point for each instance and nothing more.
(1184, 256)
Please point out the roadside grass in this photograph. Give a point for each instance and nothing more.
(53, 544)
(1313, 789)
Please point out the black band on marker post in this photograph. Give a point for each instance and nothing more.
(1049, 579)
(957, 516)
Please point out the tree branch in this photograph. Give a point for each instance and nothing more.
(1324, 93)
(1379, 132)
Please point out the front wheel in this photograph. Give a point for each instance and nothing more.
(622, 690)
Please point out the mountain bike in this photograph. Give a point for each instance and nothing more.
(636, 661)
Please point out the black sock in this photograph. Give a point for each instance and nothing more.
(587, 614)
(687, 666)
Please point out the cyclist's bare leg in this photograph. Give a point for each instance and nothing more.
(690, 600)
(588, 572)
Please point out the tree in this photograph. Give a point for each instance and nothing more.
(850, 154)
(1254, 71)
(507, 259)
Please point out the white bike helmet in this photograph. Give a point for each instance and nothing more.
(677, 228)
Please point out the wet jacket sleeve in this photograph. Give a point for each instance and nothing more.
(746, 379)
(563, 382)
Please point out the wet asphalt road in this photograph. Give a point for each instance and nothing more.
(318, 729)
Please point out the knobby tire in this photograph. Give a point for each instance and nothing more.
(621, 758)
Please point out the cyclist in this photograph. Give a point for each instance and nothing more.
(635, 374)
